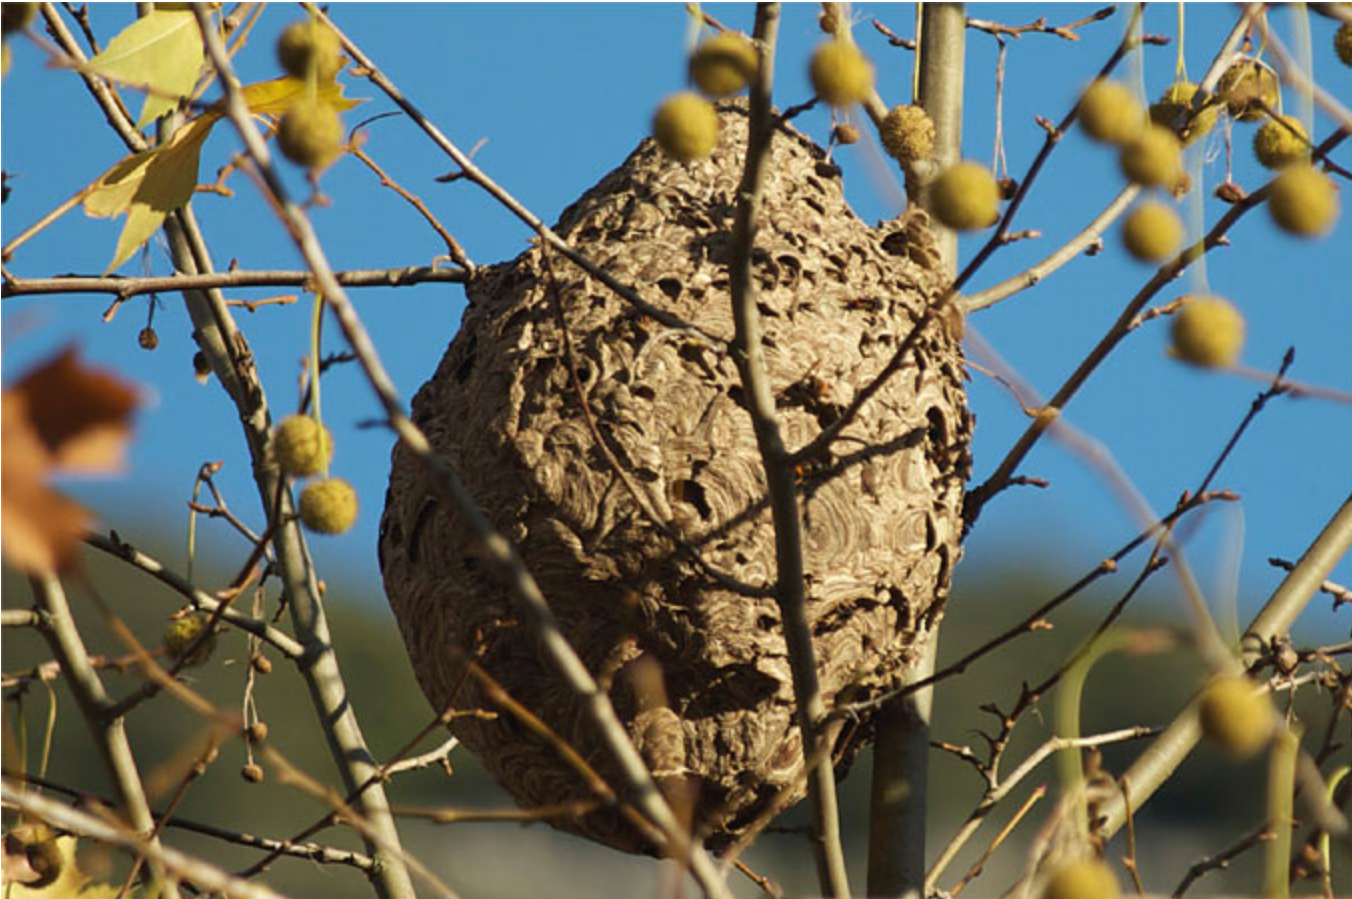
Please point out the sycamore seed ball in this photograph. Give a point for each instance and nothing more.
(723, 64)
(1174, 110)
(1342, 43)
(310, 134)
(840, 73)
(303, 446)
(308, 46)
(686, 126)
(182, 632)
(1248, 87)
(1207, 332)
(1278, 145)
(1303, 201)
(1109, 112)
(1086, 879)
(1152, 232)
(329, 506)
(908, 134)
(965, 197)
(1153, 158)
(1234, 716)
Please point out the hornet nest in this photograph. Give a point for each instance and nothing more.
(698, 671)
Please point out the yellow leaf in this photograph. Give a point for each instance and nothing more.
(66, 886)
(276, 96)
(149, 185)
(161, 52)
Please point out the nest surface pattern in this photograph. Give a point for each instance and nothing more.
(698, 673)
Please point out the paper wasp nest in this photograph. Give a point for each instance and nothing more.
(697, 672)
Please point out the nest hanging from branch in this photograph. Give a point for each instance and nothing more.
(698, 672)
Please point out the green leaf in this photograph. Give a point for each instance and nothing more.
(149, 185)
(161, 52)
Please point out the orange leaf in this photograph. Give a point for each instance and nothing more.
(60, 416)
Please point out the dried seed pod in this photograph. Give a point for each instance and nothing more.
(697, 672)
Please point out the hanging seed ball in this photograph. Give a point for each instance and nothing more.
(965, 197)
(1153, 158)
(845, 134)
(1152, 232)
(1208, 332)
(1278, 145)
(1086, 879)
(148, 339)
(309, 46)
(1250, 89)
(1174, 111)
(723, 65)
(686, 126)
(252, 773)
(1342, 43)
(908, 134)
(1234, 716)
(310, 134)
(182, 632)
(1109, 112)
(840, 74)
(698, 672)
(328, 506)
(1303, 201)
(302, 446)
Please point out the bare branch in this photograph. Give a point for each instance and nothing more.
(107, 731)
(747, 353)
(131, 287)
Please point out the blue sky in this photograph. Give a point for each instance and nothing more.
(561, 94)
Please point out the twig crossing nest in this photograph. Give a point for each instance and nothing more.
(697, 670)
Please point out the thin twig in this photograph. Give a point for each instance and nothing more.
(1339, 593)
(283, 642)
(453, 248)
(1221, 860)
(1040, 26)
(1089, 236)
(130, 287)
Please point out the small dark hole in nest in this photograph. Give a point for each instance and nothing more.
(691, 352)
(817, 207)
(937, 434)
(583, 372)
(419, 524)
(736, 394)
(646, 475)
(671, 287)
(767, 622)
(466, 366)
(693, 493)
(643, 391)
